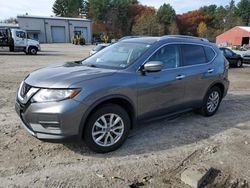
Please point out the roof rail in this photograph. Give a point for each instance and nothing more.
(184, 37)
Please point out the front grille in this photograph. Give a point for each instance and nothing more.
(25, 89)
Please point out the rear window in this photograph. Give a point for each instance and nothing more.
(209, 53)
(193, 54)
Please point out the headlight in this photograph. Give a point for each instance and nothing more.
(50, 95)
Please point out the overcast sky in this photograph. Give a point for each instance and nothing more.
(11, 8)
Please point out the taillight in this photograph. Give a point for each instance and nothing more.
(226, 63)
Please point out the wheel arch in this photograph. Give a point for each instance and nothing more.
(120, 100)
(218, 84)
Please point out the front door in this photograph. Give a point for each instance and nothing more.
(161, 92)
(20, 39)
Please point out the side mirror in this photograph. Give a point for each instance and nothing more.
(153, 66)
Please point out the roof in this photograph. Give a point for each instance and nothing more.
(147, 40)
(53, 18)
(177, 38)
(184, 37)
(245, 28)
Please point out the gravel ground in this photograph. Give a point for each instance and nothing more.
(154, 155)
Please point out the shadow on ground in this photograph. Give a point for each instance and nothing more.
(186, 129)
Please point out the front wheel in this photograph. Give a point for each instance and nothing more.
(211, 101)
(32, 50)
(107, 128)
(239, 63)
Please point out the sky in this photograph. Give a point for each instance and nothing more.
(12, 8)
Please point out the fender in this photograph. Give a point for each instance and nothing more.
(102, 100)
(213, 84)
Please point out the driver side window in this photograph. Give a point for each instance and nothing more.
(169, 55)
(20, 34)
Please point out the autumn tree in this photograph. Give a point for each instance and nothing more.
(173, 29)
(166, 16)
(202, 29)
(188, 22)
(147, 24)
(134, 12)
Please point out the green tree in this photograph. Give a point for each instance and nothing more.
(231, 18)
(69, 8)
(166, 15)
(244, 11)
(98, 9)
(114, 14)
(211, 12)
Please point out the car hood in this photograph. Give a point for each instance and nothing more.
(64, 75)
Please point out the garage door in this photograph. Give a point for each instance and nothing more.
(84, 32)
(58, 34)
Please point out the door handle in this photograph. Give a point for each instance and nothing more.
(179, 77)
(210, 70)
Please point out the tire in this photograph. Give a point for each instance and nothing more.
(98, 136)
(11, 48)
(239, 63)
(211, 106)
(32, 50)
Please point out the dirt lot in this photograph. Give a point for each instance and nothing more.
(154, 155)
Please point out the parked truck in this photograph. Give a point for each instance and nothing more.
(17, 40)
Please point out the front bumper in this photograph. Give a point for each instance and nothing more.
(246, 59)
(52, 120)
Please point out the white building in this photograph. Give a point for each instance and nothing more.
(55, 29)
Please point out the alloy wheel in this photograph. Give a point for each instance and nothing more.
(107, 130)
(213, 101)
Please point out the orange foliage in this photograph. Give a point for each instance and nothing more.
(99, 27)
(188, 22)
(136, 10)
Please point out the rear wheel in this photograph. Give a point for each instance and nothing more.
(32, 50)
(211, 102)
(107, 128)
(239, 63)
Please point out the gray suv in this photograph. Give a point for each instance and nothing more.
(99, 99)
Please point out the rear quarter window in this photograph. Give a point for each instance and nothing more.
(193, 54)
(209, 53)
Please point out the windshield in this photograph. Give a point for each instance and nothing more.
(117, 56)
(99, 47)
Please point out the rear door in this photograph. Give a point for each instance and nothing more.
(198, 72)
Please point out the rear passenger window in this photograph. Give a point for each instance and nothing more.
(209, 53)
(168, 55)
(193, 54)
